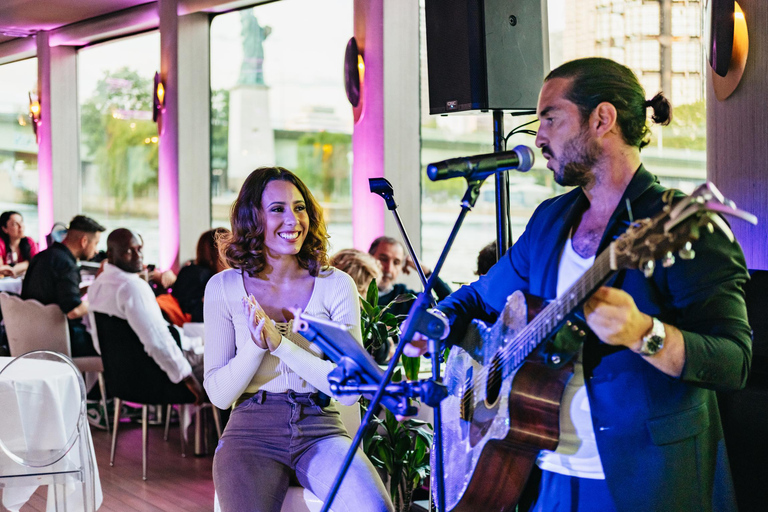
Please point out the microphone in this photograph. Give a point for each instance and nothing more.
(479, 167)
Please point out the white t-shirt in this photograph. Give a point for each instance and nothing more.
(576, 454)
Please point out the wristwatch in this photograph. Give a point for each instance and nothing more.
(654, 340)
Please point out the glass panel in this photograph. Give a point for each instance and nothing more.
(677, 153)
(277, 100)
(627, 31)
(18, 147)
(118, 139)
(465, 134)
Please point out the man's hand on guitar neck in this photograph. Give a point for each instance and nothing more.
(614, 318)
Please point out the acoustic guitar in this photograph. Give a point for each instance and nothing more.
(504, 401)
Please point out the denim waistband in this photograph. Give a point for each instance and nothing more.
(262, 396)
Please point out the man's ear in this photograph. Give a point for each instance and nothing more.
(603, 118)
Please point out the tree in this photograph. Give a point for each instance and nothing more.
(327, 153)
(118, 134)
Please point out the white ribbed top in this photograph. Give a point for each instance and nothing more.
(234, 364)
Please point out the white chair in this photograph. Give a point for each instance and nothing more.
(299, 499)
(31, 325)
(45, 438)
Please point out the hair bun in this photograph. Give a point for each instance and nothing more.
(662, 109)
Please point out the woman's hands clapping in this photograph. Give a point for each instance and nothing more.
(263, 330)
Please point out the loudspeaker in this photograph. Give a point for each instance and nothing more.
(486, 54)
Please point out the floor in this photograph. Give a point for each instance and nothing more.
(174, 484)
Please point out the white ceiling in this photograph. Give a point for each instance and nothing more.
(19, 18)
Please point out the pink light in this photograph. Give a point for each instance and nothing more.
(368, 135)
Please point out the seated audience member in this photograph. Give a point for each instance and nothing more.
(119, 291)
(189, 288)
(361, 267)
(486, 258)
(16, 250)
(391, 255)
(53, 277)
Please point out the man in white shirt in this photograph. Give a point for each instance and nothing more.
(119, 291)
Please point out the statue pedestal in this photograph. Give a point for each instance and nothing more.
(251, 138)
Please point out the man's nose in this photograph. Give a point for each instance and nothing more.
(540, 138)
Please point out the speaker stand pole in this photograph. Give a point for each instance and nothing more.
(503, 228)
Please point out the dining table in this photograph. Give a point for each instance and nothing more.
(40, 402)
(11, 285)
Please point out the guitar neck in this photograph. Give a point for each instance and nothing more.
(554, 315)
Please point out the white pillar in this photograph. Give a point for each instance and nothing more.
(45, 149)
(65, 133)
(402, 132)
(168, 147)
(386, 137)
(194, 110)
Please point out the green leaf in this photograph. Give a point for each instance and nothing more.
(403, 297)
(368, 309)
(373, 293)
(411, 367)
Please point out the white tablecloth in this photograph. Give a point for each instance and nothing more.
(49, 395)
(11, 284)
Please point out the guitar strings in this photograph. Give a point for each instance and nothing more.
(533, 333)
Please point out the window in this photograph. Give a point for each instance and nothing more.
(118, 139)
(277, 98)
(626, 31)
(18, 147)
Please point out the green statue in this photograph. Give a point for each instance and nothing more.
(253, 34)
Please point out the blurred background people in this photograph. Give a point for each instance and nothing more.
(486, 258)
(16, 249)
(53, 277)
(361, 267)
(391, 254)
(189, 287)
(119, 291)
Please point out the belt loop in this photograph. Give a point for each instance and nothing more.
(260, 396)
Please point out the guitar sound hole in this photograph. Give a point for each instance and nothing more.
(493, 384)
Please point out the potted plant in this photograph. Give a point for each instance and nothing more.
(378, 325)
(399, 449)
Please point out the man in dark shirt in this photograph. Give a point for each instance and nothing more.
(391, 254)
(53, 277)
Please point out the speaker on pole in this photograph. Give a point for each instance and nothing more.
(486, 54)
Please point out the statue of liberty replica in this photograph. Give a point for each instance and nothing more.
(251, 137)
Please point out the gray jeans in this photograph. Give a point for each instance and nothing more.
(272, 434)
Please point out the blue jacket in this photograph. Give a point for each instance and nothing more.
(659, 438)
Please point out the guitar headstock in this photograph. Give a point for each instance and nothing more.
(674, 229)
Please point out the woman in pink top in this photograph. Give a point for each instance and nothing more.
(16, 250)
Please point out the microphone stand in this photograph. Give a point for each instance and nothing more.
(419, 320)
(383, 188)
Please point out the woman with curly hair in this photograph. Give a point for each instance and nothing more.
(283, 421)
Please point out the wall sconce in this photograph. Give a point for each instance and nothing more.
(34, 113)
(727, 45)
(158, 98)
(354, 77)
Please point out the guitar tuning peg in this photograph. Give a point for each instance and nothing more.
(687, 252)
(668, 260)
(648, 267)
